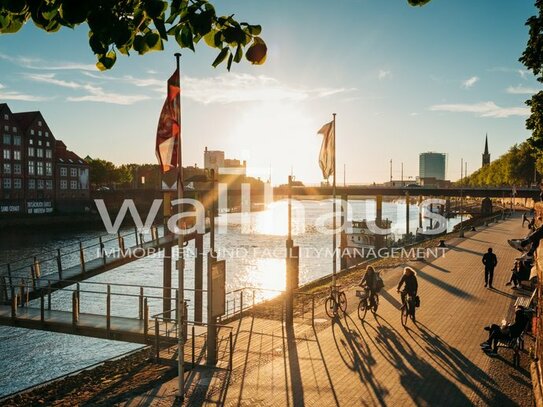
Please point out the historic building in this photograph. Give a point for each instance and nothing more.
(32, 166)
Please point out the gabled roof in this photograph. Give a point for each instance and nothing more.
(66, 156)
(25, 119)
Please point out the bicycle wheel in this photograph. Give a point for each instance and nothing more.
(342, 298)
(404, 314)
(362, 309)
(330, 307)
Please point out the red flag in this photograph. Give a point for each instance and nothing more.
(168, 133)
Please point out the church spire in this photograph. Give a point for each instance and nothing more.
(486, 154)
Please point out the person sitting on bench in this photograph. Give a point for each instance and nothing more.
(515, 275)
(504, 333)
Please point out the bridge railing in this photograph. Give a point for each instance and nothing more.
(81, 253)
(95, 298)
(163, 330)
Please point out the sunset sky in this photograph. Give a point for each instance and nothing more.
(402, 80)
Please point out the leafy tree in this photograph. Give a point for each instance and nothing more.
(140, 26)
(102, 172)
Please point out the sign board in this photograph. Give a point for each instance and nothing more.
(39, 206)
(218, 286)
(10, 208)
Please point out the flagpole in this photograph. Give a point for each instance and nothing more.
(181, 261)
(334, 209)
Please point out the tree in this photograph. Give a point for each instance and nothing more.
(140, 26)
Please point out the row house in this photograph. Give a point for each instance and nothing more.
(30, 167)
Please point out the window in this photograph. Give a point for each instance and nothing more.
(46, 134)
(48, 153)
(14, 129)
(47, 144)
(39, 132)
(48, 168)
(73, 172)
(39, 142)
(39, 167)
(40, 184)
(39, 123)
(49, 184)
(31, 184)
(17, 169)
(32, 131)
(7, 183)
(30, 141)
(7, 154)
(63, 184)
(6, 117)
(31, 151)
(16, 140)
(7, 139)
(63, 171)
(73, 184)
(17, 183)
(6, 128)
(17, 155)
(31, 168)
(39, 153)
(7, 168)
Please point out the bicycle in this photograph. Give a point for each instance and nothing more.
(365, 303)
(408, 308)
(335, 302)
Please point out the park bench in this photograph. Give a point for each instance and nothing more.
(517, 344)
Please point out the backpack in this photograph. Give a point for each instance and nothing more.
(379, 283)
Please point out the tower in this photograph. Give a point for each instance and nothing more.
(486, 154)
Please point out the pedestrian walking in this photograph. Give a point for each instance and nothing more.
(490, 261)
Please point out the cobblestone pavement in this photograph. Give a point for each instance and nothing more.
(378, 362)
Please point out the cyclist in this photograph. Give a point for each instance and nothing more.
(369, 283)
(409, 280)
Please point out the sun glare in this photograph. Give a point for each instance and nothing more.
(277, 134)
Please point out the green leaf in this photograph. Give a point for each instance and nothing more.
(184, 38)
(252, 29)
(97, 46)
(222, 55)
(74, 11)
(229, 65)
(155, 8)
(153, 41)
(106, 61)
(213, 39)
(14, 6)
(239, 54)
(161, 28)
(140, 45)
(256, 54)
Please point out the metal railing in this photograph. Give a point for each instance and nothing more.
(80, 254)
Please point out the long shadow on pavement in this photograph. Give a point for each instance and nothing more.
(357, 356)
(457, 365)
(445, 286)
(423, 382)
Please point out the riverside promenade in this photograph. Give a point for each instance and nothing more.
(378, 362)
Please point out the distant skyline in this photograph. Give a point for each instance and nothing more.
(402, 81)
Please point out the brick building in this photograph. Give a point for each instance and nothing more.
(32, 168)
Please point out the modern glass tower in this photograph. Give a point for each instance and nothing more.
(432, 165)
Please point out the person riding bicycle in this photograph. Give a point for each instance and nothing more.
(369, 283)
(409, 280)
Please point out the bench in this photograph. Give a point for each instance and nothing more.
(517, 344)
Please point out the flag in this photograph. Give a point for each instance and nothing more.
(327, 157)
(168, 133)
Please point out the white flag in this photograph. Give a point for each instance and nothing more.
(326, 156)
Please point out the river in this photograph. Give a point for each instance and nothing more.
(252, 246)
